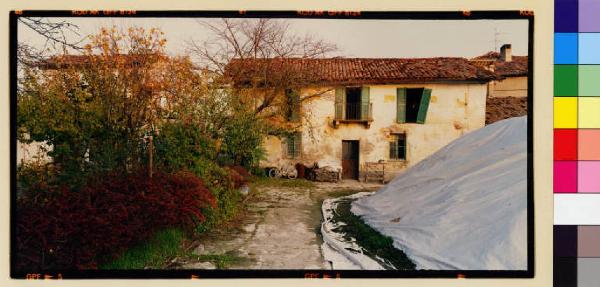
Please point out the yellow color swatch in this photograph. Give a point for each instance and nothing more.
(565, 112)
(589, 112)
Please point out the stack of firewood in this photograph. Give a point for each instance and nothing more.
(325, 175)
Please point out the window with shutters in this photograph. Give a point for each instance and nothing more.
(353, 104)
(412, 105)
(293, 145)
(398, 147)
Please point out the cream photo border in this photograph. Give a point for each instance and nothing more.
(542, 133)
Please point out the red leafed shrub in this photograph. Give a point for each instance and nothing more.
(242, 171)
(236, 179)
(238, 175)
(65, 229)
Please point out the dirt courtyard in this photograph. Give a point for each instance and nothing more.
(278, 230)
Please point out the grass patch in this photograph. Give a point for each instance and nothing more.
(152, 254)
(374, 243)
(167, 244)
(283, 182)
(222, 261)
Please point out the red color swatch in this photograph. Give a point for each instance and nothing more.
(565, 144)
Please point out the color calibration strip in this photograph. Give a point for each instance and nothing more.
(576, 143)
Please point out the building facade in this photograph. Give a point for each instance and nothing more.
(512, 72)
(394, 112)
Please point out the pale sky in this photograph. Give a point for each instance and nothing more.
(354, 38)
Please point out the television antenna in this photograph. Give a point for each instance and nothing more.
(497, 35)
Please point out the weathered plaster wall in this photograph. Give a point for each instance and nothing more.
(454, 110)
(28, 152)
(509, 87)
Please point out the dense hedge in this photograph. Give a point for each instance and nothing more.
(66, 229)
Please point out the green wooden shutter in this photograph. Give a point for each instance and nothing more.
(340, 96)
(401, 105)
(422, 115)
(364, 103)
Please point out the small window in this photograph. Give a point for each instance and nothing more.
(398, 147)
(293, 145)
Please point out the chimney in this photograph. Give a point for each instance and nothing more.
(506, 53)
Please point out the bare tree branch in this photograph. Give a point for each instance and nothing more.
(54, 33)
(253, 44)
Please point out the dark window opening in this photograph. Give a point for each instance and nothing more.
(353, 103)
(413, 102)
(398, 147)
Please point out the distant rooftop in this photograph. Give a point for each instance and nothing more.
(518, 66)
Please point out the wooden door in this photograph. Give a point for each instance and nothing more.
(350, 159)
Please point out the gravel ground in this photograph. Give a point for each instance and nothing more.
(279, 230)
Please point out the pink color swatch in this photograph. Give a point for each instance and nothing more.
(589, 176)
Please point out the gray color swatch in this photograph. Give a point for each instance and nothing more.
(587, 272)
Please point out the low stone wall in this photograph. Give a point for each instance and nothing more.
(390, 170)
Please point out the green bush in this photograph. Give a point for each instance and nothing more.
(222, 187)
(185, 147)
(242, 140)
(179, 146)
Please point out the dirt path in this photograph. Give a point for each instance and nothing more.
(279, 230)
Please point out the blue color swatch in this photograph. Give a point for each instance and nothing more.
(589, 48)
(565, 16)
(565, 48)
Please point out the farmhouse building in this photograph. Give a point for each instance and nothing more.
(361, 111)
(512, 72)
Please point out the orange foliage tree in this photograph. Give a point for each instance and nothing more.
(95, 108)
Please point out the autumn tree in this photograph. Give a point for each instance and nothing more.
(95, 108)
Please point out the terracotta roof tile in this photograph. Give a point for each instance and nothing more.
(361, 70)
(57, 62)
(517, 67)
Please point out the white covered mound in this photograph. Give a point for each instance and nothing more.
(464, 207)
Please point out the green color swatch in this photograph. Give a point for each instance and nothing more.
(565, 80)
(589, 80)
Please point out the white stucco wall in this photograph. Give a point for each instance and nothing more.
(509, 87)
(454, 110)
